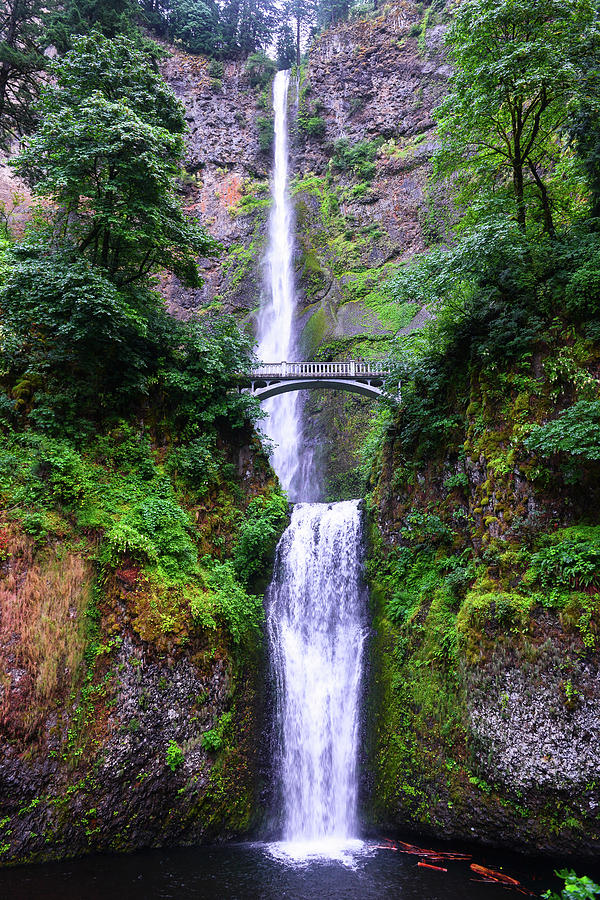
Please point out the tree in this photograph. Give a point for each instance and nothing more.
(71, 343)
(331, 11)
(257, 23)
(286, 47)
(304, 13)
(248, 26)
(518, 66)
(583, 125)
(21, 60)
(78, 17)
(196, 25)
(106, 153)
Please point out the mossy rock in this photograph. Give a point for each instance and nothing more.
(314, 332)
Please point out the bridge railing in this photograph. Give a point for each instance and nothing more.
(350, 369)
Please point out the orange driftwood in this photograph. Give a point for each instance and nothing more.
(411, 849)
(491, 876)
(425, 865)
(495, 876)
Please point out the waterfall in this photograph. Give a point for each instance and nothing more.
(316, 631)
(275, 327)
(276, 339)
(315, 603)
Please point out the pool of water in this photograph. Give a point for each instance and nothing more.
(358, 870)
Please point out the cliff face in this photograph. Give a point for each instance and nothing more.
(130, 709)
(224, 166)
(485, 718)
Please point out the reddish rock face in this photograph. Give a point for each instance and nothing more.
(15, 199)
(367, 80)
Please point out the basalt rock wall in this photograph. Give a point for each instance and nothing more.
(485, 697)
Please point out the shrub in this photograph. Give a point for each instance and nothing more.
(459, 581)
(155, 531)
(123, 541)
(357, 158)
(426, 528)
(127, 449)
(254, 548)
(456, 481)
(228, 601)
(216, 69)
(399, 605)
(314, 126)
(174, 756)
(260, 69)
(212, 741)
(199, 463)
(266, 133)
(576, 431)
(572, 560)
(576, 888)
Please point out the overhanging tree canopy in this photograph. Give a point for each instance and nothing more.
(518, 67)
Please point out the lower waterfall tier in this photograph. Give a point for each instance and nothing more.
(316, 631)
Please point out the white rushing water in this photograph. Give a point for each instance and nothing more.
(316, 630)
(276, 339)
(315, 603)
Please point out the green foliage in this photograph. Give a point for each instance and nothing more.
(22, 61)
(123, 541)
(517, 67)
(356, 158)
(499, 293)
(260, 69)
(198, 361)
(460, 480)
(228, 601)
(266, 133)
(215, 739)
(216, 69)
(156, 530)
(107, 151)
(286, 47)
(174, 756)
(570, 559)
(260, 530)
(331, 11)
(576, 431)
(425, 528)
(76, 349)
(115, 491)
(212, 741)
(66, 322)
(195, 25)
(312, 126)
(78, 17)
(576, 887)
(199, 463)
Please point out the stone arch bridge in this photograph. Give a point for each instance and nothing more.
(359, 377)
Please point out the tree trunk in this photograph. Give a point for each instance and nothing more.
(518, 182)
(544, 200)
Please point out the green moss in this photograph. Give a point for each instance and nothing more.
(314, 332)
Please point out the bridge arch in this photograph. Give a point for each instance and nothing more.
(272, 389)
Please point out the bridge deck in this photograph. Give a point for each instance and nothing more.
(352, 369)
